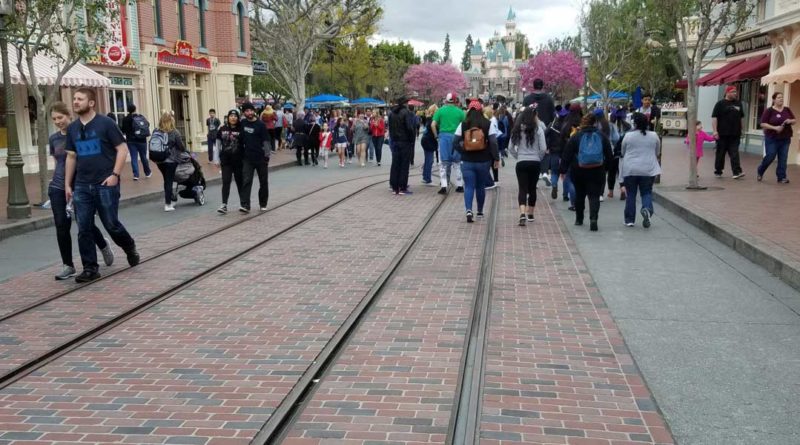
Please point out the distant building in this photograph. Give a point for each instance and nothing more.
(494, 69)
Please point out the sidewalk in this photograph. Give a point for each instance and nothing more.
(133, 192)
(755, 219)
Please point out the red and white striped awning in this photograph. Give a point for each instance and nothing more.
(46, 70)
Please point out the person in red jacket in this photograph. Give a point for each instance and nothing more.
(377, 129)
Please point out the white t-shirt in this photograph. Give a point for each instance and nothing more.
(279, 122)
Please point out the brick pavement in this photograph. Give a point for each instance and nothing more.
(210, 364)
(32, 333)
(557, 370)
(395, 382)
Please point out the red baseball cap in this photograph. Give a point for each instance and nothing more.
(730, 88)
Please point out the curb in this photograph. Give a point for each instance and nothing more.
(743, 243)
(29, 225)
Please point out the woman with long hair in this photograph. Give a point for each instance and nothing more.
(571, 125)
(228, 155)
(529, 148)
(478, 153)
(429, 146)
(640, 149)
(166, 125)
(340, 140)
(777, 121)
(361, 137)
(585, 157)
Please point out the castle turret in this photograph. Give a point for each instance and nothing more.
(509, 40)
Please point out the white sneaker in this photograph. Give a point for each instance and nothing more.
(601, 198)
(169, 208)
(67, 273)
(493, 186)
(108, 254)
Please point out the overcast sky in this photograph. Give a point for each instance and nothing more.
(424, 23)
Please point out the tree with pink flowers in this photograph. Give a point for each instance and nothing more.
(561, 72)
(433, 80)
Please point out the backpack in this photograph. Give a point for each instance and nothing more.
(474, 139)
(141, 128)
(590, 150)
(158, 149)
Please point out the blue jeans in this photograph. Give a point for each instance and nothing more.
(377, 146)
(554, 162)
(449, 159)
(644, 185)
(139, 150)
(427, 167)
(569, 188)
(475, 174)
(89, 199)
(779, 148)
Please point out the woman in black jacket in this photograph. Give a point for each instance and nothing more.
(588, 173)
(229, 157)
(429, 146)
(475, 164)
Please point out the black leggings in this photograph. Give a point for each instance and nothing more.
(168, 171)
(611, 174)
(527, 177)
(231, 171)
(63, 223)
(589, 183)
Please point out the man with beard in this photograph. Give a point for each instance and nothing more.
(403, 135)
(256, 148)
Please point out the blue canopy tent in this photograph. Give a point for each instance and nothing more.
(614, 95)
(367, 102)
(323, 100)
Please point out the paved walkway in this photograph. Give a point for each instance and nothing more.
(754, 218)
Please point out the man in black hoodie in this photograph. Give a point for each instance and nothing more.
(545, 108)
(256, 147)
(403, 136)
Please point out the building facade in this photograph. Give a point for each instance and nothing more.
(494, 70)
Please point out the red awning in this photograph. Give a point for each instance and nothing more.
(682, 84)
(713, 78)
(753, 68)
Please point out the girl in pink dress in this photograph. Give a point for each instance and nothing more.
(700, 138)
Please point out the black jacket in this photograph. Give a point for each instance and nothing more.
(545, 108)
(127, 129)
(402, 125)
(569, 157)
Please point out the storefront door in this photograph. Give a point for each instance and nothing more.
(180, 105)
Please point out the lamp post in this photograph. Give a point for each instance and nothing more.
(585, 58)
(18, 205)
(386, 95)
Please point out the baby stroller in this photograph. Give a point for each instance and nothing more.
(190, 179)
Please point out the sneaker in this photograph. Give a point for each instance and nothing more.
(169, 208)
(530, 217)
(547, 181)
(66, 273)
(87, 276)
(108, 254)
(593, 225)
(717, 175)
(379, 164)
(493, 186)
(738, 176)
(601, 198)
(401, 193)
(133, 257)
(759, 178)
(244, 210)
(571, 208)
(148, 175)
(503, 161)
(578, 222)
(645, 218)
(783, 181)
(622, 196)
(479, 215)
(469, 216)
(263, 208)
(522, 220)
(565, 198)
(407, 192)
(459, 189)
(554, 193)
(135, 178)
(223, 209)
(442, 191)
(629, 224)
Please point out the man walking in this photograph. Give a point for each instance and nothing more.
(445, 122)
(256, 148)
(377, 129)
(545, 108)
(726, 119)
(401, 132)
(277, 137)
(96, 154)
(213, 125)
(136, 130)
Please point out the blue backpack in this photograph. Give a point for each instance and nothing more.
(590, 150)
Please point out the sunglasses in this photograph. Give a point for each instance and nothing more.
(83, 132)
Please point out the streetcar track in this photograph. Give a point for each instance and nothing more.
(7, 316)
(32, 365)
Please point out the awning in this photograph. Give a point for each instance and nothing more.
(788, 73)
(753, 68)
(681, 84)
(46, 70)
(713, 78)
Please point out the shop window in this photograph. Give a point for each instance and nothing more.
(240, 25)
(181, 21)
(201, 10)
(118, 103)
(760, 102)
(157, 19)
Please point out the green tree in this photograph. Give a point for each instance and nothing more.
(446, 56)
(432, 56)
(522, 47)
(401, 51)
(556, 44)
(466, 64)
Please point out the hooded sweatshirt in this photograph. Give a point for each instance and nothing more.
(545, 108)
(530, 150)
(401, 125)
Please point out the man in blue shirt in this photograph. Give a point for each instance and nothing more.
(96, 154)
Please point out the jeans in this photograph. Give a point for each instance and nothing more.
(139, 150)
(377, 144)
(552, 167)
(103, 200)
(427, 167)
(588, 182)
(231, 171)
(168, 171)
(644, 184)
(211, 141)
(63, 223)
(779, 148)
(475, 174)
(401, 161)
(729, 145)
(249, 168)
(449, 159)
(527, 177)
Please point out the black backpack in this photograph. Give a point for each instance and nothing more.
(141, 128)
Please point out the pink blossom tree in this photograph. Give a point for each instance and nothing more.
(561, 72)
(434, 80)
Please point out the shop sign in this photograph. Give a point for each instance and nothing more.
(260, 67)
(115, 52)
(122, 81)
(184, 55)
(747, 45)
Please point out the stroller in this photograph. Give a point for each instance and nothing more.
(190, 179)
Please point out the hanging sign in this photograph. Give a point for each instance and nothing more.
(183, 55)
(115, 52)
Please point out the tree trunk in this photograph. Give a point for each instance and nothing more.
(43, 137)
(691, 124)
(298, 90)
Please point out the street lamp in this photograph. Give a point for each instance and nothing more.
(585, 58)
(18, 204)
(524, 93)
(386, 95)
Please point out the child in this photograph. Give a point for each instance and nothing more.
(700, 137)
(340, 140)
(325, 143)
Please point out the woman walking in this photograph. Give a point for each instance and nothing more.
(640, 150)
(175, 147)
(340, 140)
(777, 122)
(429, 146)
(585, 156)
(529, 148)
(228, 155)
(377, 130)
(325, 143)
(361, 138)
(62, 210)
(478, 153)
(570, 125)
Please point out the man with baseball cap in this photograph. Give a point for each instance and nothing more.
(256, 147)
(445, 122)
(726, 120)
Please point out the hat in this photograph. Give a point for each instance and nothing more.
(598, 112)
(233, 111)
(475, 105)
(247, 106)
(450, 98)
(730, 88)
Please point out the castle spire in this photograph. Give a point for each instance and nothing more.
(511, 14)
